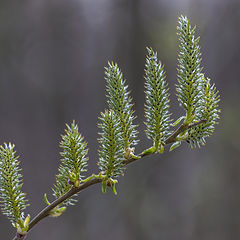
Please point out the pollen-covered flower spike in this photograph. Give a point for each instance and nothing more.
(189, 69)
(111, 150)
(157, 101)
(209, 111)
(73, 162)
(13, 201)
(121, 104)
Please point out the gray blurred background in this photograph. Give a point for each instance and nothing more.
(52, 58)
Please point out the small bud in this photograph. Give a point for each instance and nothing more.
(72, 177)
(113, 188)
(177, 121)
(148, 151)
(77, 183)
(127, 153)
(115, 181)
(46, 200)
(104, 186)
(175, 145)
(161, 149)
(56, 212)
(26, 222)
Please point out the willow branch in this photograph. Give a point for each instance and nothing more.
(45, 212)
(171, 139)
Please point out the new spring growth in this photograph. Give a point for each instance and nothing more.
(196, 94)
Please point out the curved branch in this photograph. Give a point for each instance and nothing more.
(171, 139)
(182, 128)
(45, 212)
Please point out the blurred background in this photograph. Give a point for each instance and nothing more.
(52, 58)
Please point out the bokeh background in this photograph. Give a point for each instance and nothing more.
(52, 58)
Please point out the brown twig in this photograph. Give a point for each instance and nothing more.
(45, 212)
(182, 128)
(170, 139)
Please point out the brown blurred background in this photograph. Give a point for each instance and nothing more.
(52, 58)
